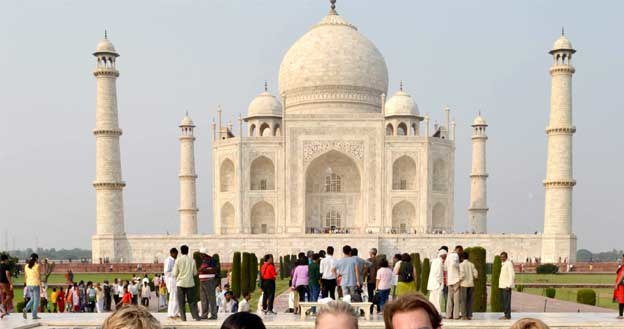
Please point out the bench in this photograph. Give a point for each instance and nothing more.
(306, 306)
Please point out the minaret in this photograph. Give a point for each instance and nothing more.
(188, 195)
(558, 241)
(477, 213)
(108, 182)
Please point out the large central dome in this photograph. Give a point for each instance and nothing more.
(333, 68)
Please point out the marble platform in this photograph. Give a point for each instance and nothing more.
(284, 320)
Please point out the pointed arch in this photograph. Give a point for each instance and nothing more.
(277, 131)
(438, 215)
(389, 130)
(227, 215)
(262, 218)
(403, 214)
(262, 174)
(227, 176)
(252, 130)
(404, 173)
(265, 129)
(402, 129)
(440, 176)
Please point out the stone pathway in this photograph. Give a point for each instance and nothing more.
(522, 302)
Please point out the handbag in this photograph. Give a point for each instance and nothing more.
(375, 299)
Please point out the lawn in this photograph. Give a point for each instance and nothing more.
(569, 294)
(563, 278)
(86, 277)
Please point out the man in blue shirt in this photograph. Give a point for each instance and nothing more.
(347, 268)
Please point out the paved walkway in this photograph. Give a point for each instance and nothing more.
(522, 302)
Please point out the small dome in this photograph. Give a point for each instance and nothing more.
(401, 104)
(562, 44)
(187, 122)
(105, 46)
(479, 121)
(265, 105)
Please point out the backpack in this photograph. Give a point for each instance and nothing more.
(208, 265)
(406, 272)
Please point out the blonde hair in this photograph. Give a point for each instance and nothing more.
(131, 317)
(529, 323)
(338, 308)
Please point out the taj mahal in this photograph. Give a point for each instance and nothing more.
(331, 158)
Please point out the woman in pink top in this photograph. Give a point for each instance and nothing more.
(383, 283)
(300, 279)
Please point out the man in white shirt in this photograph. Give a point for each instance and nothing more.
(184, 271)
(452, 280)
(435, 284)
(468, 274)
(230, 305)
(506, 284)
(328, 278)
(170, 282)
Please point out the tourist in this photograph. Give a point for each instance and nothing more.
(406, 276)
(115, 291)
(230, 304)
(361, 264)
(528, 323)
(120, 291)
(244, 320)
(146, 293)
(135, 317)
(268, 274)
(208, 280)
(162, 291)
(135, 291)
(243, 306)
(107, 290)
(221, 295)
(82, 296)
(452, 281)
(60, 300)
(618, 293)
(99, 298)
(411, 311)
(43, 298)
(396, 259)
(506, 284)
(445, 275)
(314, 278)
(328, 277)
(435, 284)
(183, 270)
(69, 298)
(347, 268)
(91, 297)
(54, 300)
(33, 285)
(170, 281)
(126, 299)
(300, 280)
(6, 286)
(371, 276)
(336, 314)
(468, 274)
(383, 283)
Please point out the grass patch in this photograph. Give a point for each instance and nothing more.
(563, 278)
(604, 296)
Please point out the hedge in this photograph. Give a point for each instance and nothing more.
(236, 275)
(550, 292)
(424, 277)
(253, 272)
(476, 255)
(217, 260)
(281, 268)
(586, 296)
(495, 298)
(418, 267)
(547, 269)
(197, 290)
(245, 265)
(286, 266)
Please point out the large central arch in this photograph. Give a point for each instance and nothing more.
(262, 218)
(333, 185)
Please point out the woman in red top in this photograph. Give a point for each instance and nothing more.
(126, 299)
(618, 293)
(268, 276)
(60, 300)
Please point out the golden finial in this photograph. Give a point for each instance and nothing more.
(333, 4)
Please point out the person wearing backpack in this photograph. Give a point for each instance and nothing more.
(208, 281)
(406, 276)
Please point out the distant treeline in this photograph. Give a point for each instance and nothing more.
(584, 255)
(53, 253)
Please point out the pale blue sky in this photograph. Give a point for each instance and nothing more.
(193, 55)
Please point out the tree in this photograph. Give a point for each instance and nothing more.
(476, 255)
(418, 267)
(245, 273)
(281, 268)
(253, 272)
(424, 277)
(236, 274)
(495, 298)
(584, 255)
(286, 266)
(217, 261)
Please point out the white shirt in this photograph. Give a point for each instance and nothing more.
(227, 307)
(169, 266)
(436, 275)
(452, 268)
(507, 275)
(243, 306)
(326, 266)
(384, 275)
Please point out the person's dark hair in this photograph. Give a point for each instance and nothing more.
(315, 256)
(444, 248)
(330, 250)
(173, 251)
(243, 320)
(383, 263)
(408, 303)
(406, 257)
(267, 257)
(354, 252)
(459, 247)
(4, 257)
(32, 260)
(346, 250)
(301, 255)
(53, 289)
(504, 253)
(464, 255)
(184, 249)
(321, 253)
(397, 256)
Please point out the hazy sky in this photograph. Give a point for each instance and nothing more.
(192, 55)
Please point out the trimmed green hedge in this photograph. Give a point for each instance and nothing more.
(586, 296)
(282, 269)
(547, 269)
(495, 298)
(476, 255)
(424, 278)
(244, 280)
(236, 274)
(418, 267)
(550, 292)
(253, 272)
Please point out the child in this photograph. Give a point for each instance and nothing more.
(243, 306)
(126, 299)
(54, 300)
